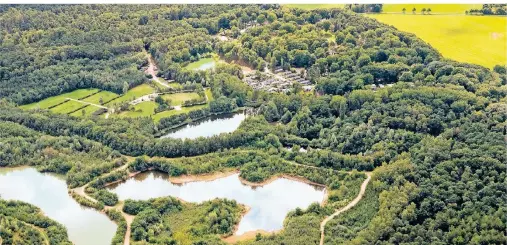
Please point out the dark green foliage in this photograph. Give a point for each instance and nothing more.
(22, 223)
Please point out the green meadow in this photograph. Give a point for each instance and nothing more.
(104, 95)
(54, 100)
(179, 98)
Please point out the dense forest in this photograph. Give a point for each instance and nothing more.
(431, 130)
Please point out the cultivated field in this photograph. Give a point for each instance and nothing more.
(179, 98)
(143, 109)
(104, 95)
(435, 8)
(88, 111)
(54, 100)
(476, 39)
(67, 107)
(133, 93)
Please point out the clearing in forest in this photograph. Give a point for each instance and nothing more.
(475, 39)
(179, 98)
(55, 100)
(103, 96)
(133, 93)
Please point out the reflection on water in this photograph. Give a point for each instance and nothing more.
(269, 204)
(210, 126)
(85, 226)
(207, 65)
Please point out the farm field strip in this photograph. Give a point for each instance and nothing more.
(89, 110)
(105, 95)
(54, 100)
(67, 107)
(475, 39)
(179, 98)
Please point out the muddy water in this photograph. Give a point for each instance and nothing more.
(85, 226)
(268, 204)
(210, 126)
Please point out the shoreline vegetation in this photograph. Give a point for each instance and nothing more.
(356, 94)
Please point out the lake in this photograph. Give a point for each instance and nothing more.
(85, 226)
(213, 125)
(268, 204)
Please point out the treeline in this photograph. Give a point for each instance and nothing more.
(78, 158)
(23, 223)
(489, 9)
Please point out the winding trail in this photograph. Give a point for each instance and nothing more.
(128, 218)
(151, 70)
(349, 206)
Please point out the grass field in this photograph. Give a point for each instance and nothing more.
(201, 64)
(67, 107)
(143, 109)
(314, 6)
(179, 98)
(51, 101)
(163, 114)
(135, 92)
(89, 110)
(105, 95)
(474, 39)
(435, 8)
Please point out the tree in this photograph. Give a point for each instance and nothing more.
(423, 11)
(413, 10)
(143, 20)
(261, 19)
(271, 17)
(271, 112)
(403, 10)
(428, 11)
(125, 87)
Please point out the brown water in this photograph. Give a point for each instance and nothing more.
(269, 204)
(85, 226)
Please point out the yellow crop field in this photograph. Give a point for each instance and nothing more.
(475, 39)
(435, 8)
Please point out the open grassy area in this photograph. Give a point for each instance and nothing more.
(51, 101)
(67, 107)
(475, 39)
(202, 64)
(143, 109)
(104, 95)
(163, 114)
(435, 8)
(314, 6)
(133, 93)
(209, 94)
(89, 110)
(179, 98)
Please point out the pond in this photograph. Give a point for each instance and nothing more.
(202, 64)
(269, 204)
(85, 226)
(207, 127)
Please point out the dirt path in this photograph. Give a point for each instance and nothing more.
(128, 218)
(349, 206)
(88, 103)
(152, 68)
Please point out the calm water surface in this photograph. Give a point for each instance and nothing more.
(207, 65)
(269, 204)
(85, 226)
(210, 126)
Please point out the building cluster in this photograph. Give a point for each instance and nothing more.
(277, 81)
